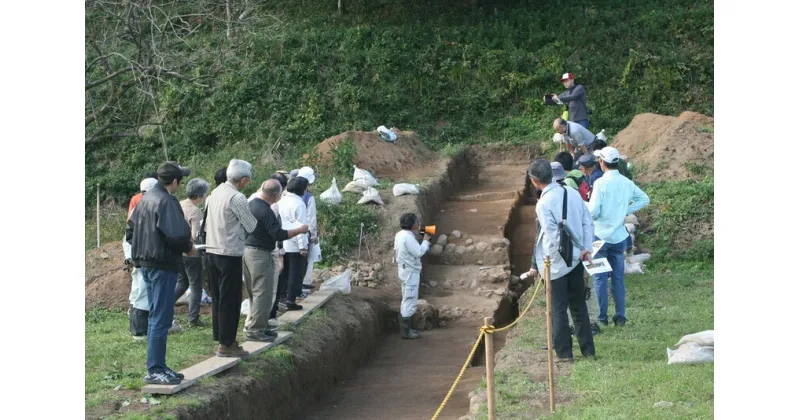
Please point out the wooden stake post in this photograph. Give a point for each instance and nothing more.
(98, 215)
(489, 350)
(550, 373)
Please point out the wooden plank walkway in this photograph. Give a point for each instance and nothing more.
(215, 365)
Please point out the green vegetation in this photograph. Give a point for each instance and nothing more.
(631, 373)
(681, 221)
(295, 73)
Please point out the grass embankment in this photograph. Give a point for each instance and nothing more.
(115, 363)
(674, 298)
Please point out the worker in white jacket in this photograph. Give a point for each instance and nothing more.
(314, 250)
(408, 254)
(292, 212)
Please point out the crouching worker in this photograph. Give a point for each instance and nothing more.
(408, 254)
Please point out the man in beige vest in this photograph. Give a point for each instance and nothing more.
(228, 221)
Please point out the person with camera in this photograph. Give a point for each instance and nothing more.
(575, 100)
(159, 236)
(567, 244)
(408, 254)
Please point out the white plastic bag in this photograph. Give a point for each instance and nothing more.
(340, 283)
(633, 268)
(638, 258)
(402, 189)
(371, 195)
(386, 134)
(558, 138)
(358, 186)
(332, 194)
(702, 339)
(365, 175)
(245, 307)
(690, 353)
(602, 135)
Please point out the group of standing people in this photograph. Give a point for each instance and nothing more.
(585, 194)
(268, 243)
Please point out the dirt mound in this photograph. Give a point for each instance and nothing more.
(107, 285)
(380, 157)
(666, 148)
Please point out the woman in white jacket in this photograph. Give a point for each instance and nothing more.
(314, 251)
(408, 254)
(293, 213)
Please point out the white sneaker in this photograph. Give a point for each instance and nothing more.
(175, 328)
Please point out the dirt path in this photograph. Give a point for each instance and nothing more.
(407, 379)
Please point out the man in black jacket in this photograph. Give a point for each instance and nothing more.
(159, 236)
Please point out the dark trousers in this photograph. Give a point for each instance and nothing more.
(191, 277)
(290, 282)
(225, 286)
(569, 292)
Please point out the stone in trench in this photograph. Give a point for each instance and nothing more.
(499, 291)
(471, 249)
(450, 248)
(499, 278)
(481, 246)
(514, 280)
(448, 284)
(377, 267)
(456, 234)
(442, 240)
(469, 242)
(480, 262)
(105, 256)
(478, 292)
(433, 283)
(474, 284)
(488, 293)
(506, 242)
(461, 249)
(373, 285)
(436, 250)
(426, 317)
(497, 243)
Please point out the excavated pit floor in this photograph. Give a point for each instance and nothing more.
(407, 379)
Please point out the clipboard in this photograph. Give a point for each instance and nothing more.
(551, 100)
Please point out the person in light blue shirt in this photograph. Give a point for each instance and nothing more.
(566, 276)
(613, 197)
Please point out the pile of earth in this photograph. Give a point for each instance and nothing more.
(107, 284)
(380, 157)
(667, 148)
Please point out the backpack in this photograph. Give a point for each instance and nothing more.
(583, 187)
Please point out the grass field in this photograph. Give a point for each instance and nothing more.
(631, 373)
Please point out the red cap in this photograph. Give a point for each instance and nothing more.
(567, 76)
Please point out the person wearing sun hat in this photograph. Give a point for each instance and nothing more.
(574, 98)
(613, 198)
(159, 236)
(314, 250)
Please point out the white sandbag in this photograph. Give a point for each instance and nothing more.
(690, 353)
(631, 218)
(332, 194)
(245, 307)
(402, 189)
(371, 195)
(638, 258)
(386, 134)
(630, 227)
(365, 175)
(703, 339)
(358, 186)
(634, 268)
(340, 283)
(558, 138)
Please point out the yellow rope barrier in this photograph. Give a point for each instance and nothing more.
(484, 330)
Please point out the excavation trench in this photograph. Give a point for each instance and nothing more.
(353, 363)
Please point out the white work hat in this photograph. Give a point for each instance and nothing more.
(609, 155)
(567, 76)
(307, 173)
(147, 184)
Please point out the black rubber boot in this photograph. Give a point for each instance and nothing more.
(406, 331)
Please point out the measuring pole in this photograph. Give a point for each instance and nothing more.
(98, 215)
(550, 373)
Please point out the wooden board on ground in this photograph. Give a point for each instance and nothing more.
(194, 373)
(256, 347)
(314, 301)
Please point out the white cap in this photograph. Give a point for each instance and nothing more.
(147, 184)
(307, 173)
(609, 154)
